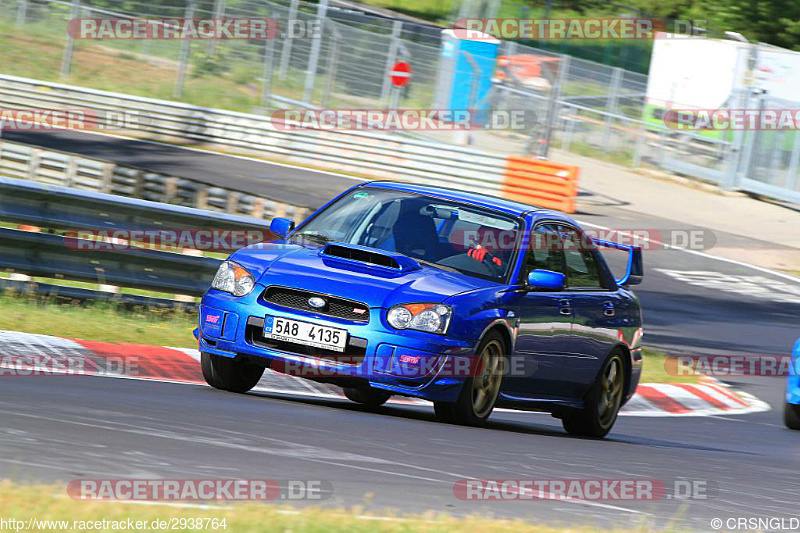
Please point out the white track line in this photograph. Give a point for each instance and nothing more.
(696, 252)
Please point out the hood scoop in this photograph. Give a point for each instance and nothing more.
(370, 259)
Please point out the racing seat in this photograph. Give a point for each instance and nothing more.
(415, 234)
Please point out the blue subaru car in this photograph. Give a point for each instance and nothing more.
(791, 410)
(465, 300)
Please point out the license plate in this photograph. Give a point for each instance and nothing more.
(283, 329)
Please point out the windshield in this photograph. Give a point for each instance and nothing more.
(436, 232)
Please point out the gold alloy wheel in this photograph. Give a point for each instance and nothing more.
(610, 396)
(486, 383)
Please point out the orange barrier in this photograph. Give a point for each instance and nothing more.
(541, 183)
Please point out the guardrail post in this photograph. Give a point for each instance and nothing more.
(201, 200)
(170, 188)
(33, 165)
(22, 12)
(183, 64)
(71, 172)
(66, 59)
(286, 49)
(232, 203)
(138, 186)
(258, 208)
(107, 177)
(313, 56)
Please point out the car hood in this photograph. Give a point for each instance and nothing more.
(302, 267)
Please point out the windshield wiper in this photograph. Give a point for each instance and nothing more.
(436, 265)
(313, 237)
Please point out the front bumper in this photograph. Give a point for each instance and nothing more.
(412, 363)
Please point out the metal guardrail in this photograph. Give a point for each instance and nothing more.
(78, 172)
(369, 153)
(65, 208)
(56, 257)
(43, 254)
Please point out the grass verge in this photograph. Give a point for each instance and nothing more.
(51, 503)
(107, 322)
(98, 321)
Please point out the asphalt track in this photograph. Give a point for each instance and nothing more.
(62, 428)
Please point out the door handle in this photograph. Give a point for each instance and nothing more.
(608, 309)
(565, 307)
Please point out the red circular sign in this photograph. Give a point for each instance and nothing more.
(400, 74)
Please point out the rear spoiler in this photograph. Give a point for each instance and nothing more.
(635, 271)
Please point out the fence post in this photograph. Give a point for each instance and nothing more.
(286, 49)
(22, 12)
(183, 65)
(391, 58)
(313, 57)
(637, 153)
(570, 131)
(266, 90)
(791, 173)
(611, 109)
(333, 59)
(66, 59)
(219, 10)
(552, 107)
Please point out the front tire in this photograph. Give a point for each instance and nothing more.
(602, 403)
(791, 415)
(368, 397)
(229, 374)
(479, 392)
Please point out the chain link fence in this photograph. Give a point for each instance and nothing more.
(581, 106)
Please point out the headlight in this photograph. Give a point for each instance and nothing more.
(433, 318)
(233, 278)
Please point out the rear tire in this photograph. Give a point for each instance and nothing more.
(791, 415)
(479, 393)
(602, 402)
(368, 397)
(229, 374)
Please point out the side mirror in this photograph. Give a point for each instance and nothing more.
(281, 226)
(546, 279)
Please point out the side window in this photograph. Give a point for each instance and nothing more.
(582, 269)
(545, 251)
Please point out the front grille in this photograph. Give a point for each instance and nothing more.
(353, 354)
(298, 299)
